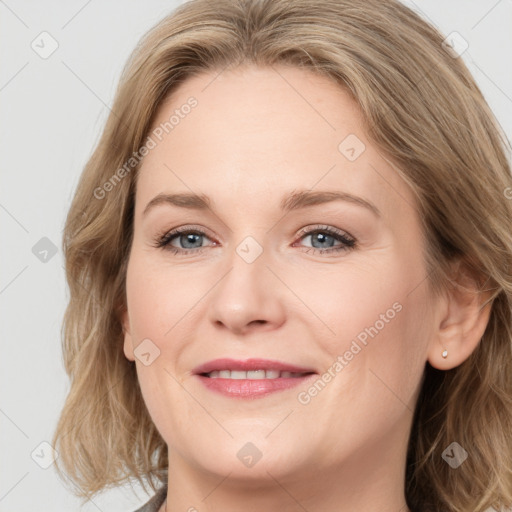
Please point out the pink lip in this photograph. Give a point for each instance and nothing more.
(250, 388)
(249, 364)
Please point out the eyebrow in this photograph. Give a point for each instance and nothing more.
(294, 201)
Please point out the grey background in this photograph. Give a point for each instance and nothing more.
(53, 111)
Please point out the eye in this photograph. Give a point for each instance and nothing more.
(189, 238)
(185, 235)
(325, 235)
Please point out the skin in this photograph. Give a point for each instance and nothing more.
(256, 135)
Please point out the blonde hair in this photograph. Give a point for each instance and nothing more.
(422, 109)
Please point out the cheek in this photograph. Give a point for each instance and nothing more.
(155, 297)
(160, 306)
(378, 314)
(154, 305)
(396, 335)
(352, 296)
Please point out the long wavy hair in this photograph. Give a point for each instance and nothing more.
(421, 108)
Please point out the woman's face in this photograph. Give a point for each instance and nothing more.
(250, 281)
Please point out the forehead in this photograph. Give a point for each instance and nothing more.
(260, 133)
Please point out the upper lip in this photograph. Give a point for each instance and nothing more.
(248, 365)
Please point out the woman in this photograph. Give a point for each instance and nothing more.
(290, 269)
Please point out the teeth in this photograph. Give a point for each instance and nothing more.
(256, 374)
(252, 374)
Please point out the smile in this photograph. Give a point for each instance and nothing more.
(252, 375)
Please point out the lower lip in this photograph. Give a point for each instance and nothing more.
(251, 388)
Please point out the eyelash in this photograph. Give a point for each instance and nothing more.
(164, 240)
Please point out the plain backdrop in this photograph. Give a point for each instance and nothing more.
(52, 113)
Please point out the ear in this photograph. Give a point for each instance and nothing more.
(128, 341)
(461, 318)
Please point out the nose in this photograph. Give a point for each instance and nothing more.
(249, 296)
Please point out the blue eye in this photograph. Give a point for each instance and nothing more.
(326, 235)
(189, 238)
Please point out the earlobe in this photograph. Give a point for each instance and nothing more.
(128, 341)
(463, 317)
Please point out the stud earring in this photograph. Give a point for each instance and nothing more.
(445, 353)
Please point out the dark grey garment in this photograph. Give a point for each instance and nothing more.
(155, 502)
